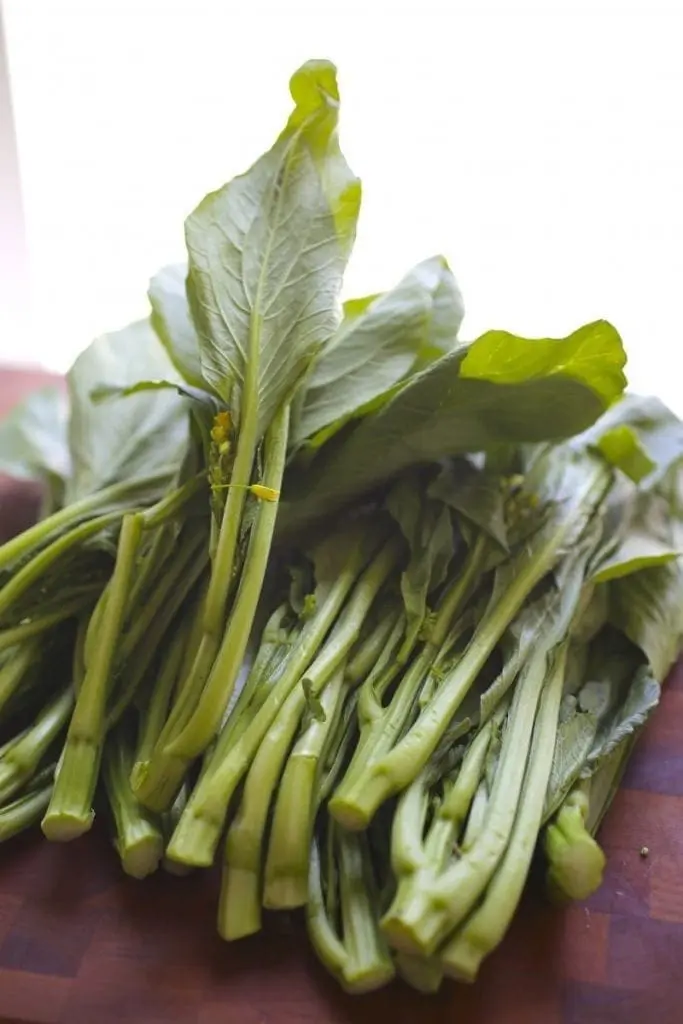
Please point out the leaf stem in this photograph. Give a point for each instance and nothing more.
(70, 812)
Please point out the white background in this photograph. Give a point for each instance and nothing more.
(537, 145)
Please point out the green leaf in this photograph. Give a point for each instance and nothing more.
(267, 253)
(648, 607)
(631, 712)
(640, 436)
(647, 540)
(428, 529)
(573, 741)
(476, 495)
(379, 344)
(33, 437)
(172, 321)
(618, 694)
(443, 411)
(132, 438)
(592, 355)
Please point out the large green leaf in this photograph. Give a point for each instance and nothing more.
(593, 355)
(172, 321)
(33, 437)
(267, 253)
(132, 438)
(379, 344)
(467, 402)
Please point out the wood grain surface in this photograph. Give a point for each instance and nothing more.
(82, 944)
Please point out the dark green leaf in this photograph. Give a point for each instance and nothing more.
(131, 438)
(444, 411)
(379, 345)
(476, 495)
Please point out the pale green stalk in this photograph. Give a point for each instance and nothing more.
(487, 925)
(70, 812)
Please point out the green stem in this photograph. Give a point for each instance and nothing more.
(34, 627)
(13, 672)
(138, 651)
(243, 845)
(208, 805)
(424, 974)
(20, 761)
(117, 495)
(353, 803)
(139, 840)
(286, 870)
(327, 945)
(154, 714)
(575, 860)
(208, 713)
(420, 924)
(197, 714)
(368, 964)
(393, 771)
(33, 570)
(486, 927)
(170, 505)
(70, 812)
(24, 811)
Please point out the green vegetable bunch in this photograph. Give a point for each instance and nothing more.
(369, 612)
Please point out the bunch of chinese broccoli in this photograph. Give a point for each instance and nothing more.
(368, 612)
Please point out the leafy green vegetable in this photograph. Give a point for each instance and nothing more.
(378, 346)
(465, 402)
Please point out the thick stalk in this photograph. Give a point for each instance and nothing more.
(395, 770)
(70, 812)
(41, 533)
(575, 860)
(420, 924)
(368, 963)
(351, 805)
(487, 925)
(205, 720)
(33, 570)
(223, 572)
(154, 714)
(286, 870)
(20, 761)
(424, 974)
(138, 840)
(197, 714)
(137, 653)
(208, 805)
(239, 910)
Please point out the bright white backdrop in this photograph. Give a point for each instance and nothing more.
(537, 145)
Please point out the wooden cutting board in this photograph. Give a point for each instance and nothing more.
(82, 944)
